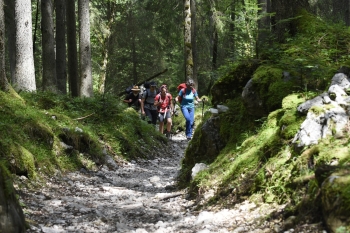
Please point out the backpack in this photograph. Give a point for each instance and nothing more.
(183, 87)
(128, 89)
(149, 97)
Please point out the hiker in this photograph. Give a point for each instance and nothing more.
(165, 106)
(133, 99)
(148, 108)
(188, 96)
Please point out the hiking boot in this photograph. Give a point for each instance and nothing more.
(167, 134)
(189, 138)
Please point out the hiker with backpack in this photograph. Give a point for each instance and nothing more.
(186, 97)
(133, 98)
(148, 108)
(164, 103)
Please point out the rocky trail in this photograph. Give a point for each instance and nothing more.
(139, 197)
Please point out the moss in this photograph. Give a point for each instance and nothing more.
(292, 101)
(22, 161)
(268, 82)
(290, 124)
(317, 110)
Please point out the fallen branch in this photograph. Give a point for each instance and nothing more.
(80, 118)
(148, 79)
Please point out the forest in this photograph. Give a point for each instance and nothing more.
(277, 66)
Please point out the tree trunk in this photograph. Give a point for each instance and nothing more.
(86, 85)
(194, 41)
(188, 44)
(263, 23)
(72, 49)
(232, 27)
(24, 69)
(48, 47)
(11, 36)
(4, 85)
(61, 46)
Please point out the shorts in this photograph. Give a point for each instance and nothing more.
(162, 117)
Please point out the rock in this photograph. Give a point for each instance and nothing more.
(197, 168)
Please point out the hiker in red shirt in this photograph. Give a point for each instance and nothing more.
(165, 107)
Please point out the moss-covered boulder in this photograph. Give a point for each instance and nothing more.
(232, 84)
(11, 214)
(335, 196)
(265, 91)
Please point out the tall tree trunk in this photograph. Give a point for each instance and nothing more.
(48, 47)
(133, 47)
(102, 78)
(24, 70)
(4, 85)
(36, 24)
(187, 38)
(232, 27)
(61, 46)
(263, 24)
(86, 85)
(194, 41)
(72, 49)
(11, 36)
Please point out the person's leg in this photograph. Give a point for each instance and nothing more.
(161, 123)
(185, 112)
(191, 113)
(148, 115)
(168, 122)
(154, 116)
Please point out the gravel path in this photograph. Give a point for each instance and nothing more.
(138, 197)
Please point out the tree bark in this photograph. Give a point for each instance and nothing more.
(188, 42)
(194, 41)
(24, 69)
(61, 46)
(86, 85)
(263, 23)
(10, 31)
(48, 47)
(72, 49)
(4, 85)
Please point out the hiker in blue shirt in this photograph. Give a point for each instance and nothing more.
(189, 96)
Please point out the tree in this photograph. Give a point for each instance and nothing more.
(86, 85)
(187, 38)
(194, 40)
(72, 49)
(61, 46)
(24, 70)
(263, 23)
(4, 85)
(48, 47)
(10, 31)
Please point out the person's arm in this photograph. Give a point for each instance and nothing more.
(156, 100)
(171, 104)
(177, 97)
(127, 99)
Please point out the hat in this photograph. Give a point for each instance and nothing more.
(152, 83)
(135, 88)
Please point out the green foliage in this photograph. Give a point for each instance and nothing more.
(38, 127)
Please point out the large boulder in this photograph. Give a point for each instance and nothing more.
(231, 85)
(11, 214)
(335, 197)
(210, 142)
(326, 114)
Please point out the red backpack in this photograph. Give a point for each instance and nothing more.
(182, 87)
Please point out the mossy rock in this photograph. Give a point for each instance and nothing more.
(335, 195)
(231, 85)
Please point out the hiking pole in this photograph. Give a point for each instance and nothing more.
(203, 107)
